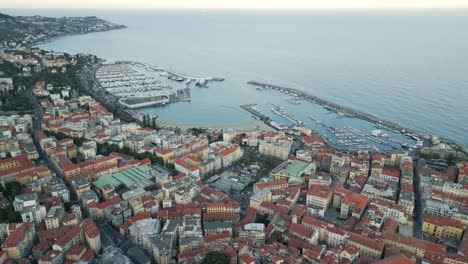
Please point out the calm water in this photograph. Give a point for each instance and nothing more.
(410, 67)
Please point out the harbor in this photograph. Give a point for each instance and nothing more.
(337, 127)
(342, 110)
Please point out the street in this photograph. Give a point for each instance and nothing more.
(418, 203)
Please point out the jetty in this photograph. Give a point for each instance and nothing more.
(341, 110)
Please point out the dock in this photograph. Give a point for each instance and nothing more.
(342, 110)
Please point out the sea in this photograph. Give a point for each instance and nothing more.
(406, 66)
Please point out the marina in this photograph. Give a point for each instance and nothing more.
(137, 86)
(173, 75)
(336, 129)
(343, 111)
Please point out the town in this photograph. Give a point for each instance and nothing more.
(82, 181)
(26, 30)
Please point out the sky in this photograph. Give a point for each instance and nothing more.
(234, 4)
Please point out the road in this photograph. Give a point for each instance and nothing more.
(418, 203)
(37, 125)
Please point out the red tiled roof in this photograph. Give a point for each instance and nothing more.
(21, 163)
(110, 202)
(17, 235)
(395, 259)
(212, 238)
(246, 258)
(184, 164)
(263, 185)
(391, 172)
(90, 228)
(229, 150)
(40, 135)
(367, 242)
(44, 245)
(226, 217)
(349, 198)
(76, 250)
(320, 191)
(443, 221)
(301, 230)
(312, 140)
(63, 237)
(164, 151)
(312, 221)
(418, 243)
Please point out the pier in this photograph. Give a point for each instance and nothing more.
(186, 78)
(343, 110)
(251, 109)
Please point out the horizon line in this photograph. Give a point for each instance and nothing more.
(464, 7)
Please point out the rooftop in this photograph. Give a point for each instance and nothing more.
(139, 175)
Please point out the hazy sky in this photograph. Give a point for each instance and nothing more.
(234, 3)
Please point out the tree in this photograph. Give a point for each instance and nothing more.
(67, 206)
(215, 257)
(12, 189)
(153, 123)
(145, 120)
(451, 159)
(262, 219)
(12, 215)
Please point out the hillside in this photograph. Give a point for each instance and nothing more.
(27, 30)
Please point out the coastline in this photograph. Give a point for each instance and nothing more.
(49, 40)
(244, 126)
(248, 125)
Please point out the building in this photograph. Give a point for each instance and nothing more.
(80, 185)
(351, 203)
(79, 253)
(139, 176)
(221, 207)
(217, 227)
(29, 208)
(276, 149)
(11, 167)
(20, 240)
(320, 179)
(391, 175)
(272, 185)
(51, 257)
(54, 217)
(319, 199)
(304, 233)
(61, 190)
(293, 171)
(432, 252)
(142, 230)
(367, 246)
(92, 235)
(253, 231)
(162, 246)
(443, 227)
